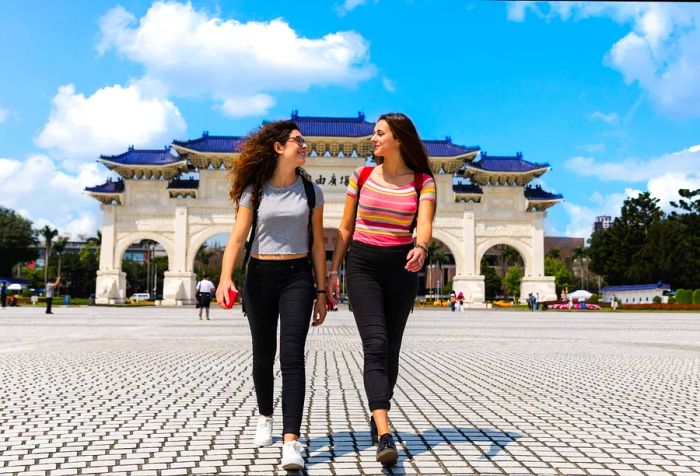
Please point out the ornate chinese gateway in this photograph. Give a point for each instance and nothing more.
(493, 205)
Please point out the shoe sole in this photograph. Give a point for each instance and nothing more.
(263, 443)
(292, 466)
(388, 457)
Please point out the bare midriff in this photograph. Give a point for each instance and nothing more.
(278, 257)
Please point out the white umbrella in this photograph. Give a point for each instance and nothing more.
(14, 287)
(580, 294)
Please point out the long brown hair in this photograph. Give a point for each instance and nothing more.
(258, 160)
(410, 146)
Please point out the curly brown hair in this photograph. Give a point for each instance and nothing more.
(258, 160)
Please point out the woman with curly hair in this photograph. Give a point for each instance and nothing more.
(286, 275)
(382, 207)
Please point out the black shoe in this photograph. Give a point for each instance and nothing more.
(373, 431)
(386, 450)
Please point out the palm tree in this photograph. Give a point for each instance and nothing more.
(95, 241)
(432, 248)
(59, 247)
(579, 254)
(48, 234)
(440, 258)
(202, 257)
(554, 253)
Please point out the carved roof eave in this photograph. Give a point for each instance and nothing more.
(106, 198)
(128, 171)
(203, 160)
(542, 204)
(475, 197)
(183, 193)
(483, 177)
(449, 165)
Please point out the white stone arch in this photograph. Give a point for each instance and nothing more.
(526, 252)
(199, 238)
(124, 240)
(454, 245)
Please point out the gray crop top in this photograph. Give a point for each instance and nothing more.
(283, 218)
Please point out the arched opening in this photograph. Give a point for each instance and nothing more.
(144, 261)
(503, 268)
(437, 275)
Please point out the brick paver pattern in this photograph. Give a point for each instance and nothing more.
(156, 391)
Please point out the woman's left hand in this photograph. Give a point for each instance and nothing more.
(320, 310)
(415, 259)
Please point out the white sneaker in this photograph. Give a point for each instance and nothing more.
(291, 456)
(263, 432)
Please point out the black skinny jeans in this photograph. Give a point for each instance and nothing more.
(381, 292)
(283, 289)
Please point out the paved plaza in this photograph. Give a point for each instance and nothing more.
(157, 391)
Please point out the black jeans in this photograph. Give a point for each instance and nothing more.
(283, 289)
(49, 302)
(382, 293)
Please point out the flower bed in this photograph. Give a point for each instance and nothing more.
(574, 307)
(660, 307)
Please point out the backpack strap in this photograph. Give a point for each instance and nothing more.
(311, 200)
(418, 185)
(365, 172)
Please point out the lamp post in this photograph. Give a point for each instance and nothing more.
(438, 290)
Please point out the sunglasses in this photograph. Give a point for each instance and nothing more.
(301, 142)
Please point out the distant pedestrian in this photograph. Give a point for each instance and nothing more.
(3, 294)
(205, 290)
(530, 302)
(453, 301)
(50, 289)
(537, 302)
(460, 301)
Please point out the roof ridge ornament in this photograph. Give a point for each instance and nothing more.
(360, 116)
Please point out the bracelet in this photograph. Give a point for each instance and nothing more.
(332, 273)
(422, 246)
(320, 291)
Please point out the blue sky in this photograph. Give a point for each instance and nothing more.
(605, 93)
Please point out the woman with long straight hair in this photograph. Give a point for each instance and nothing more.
(382, 207)
(286, 275)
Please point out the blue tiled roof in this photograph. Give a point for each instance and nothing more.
(536, 193)
(466, 188)
(214, 144)
(108, 187)
(181, 184)
(636, 287)
(505, 164)
(333, 126)
(445, 148)
(143, 157)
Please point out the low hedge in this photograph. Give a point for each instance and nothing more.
(660, 307)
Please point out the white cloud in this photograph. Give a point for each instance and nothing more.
(582, 217)
(108, 122)
(187, 52)
(4, 114)
(246, 106)
(666, 187)
(388, 84)
(43, 193)
(349, 5)
(637, 170)
(661, 53)
(610, 118)
(591, 148)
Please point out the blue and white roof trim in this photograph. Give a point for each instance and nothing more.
(507, 164)
(109, 187)
(467, 188)
(445, 148)
(211, 144)
(314, 126)
(142, 157)
(637, 287)
(536, 194)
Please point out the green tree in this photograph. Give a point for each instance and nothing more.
(48, 234)
(616, 253)
(59, 247)
(554, 253)
(696, 296)
(17, 242)
(492, 282)
(563, 278)
(512, 280)
(202, 259)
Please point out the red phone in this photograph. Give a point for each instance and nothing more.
(329, 306)
(231, 299)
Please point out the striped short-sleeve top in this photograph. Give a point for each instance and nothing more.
(385, 215)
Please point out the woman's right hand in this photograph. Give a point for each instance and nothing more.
(333, 289)
(222, 292)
